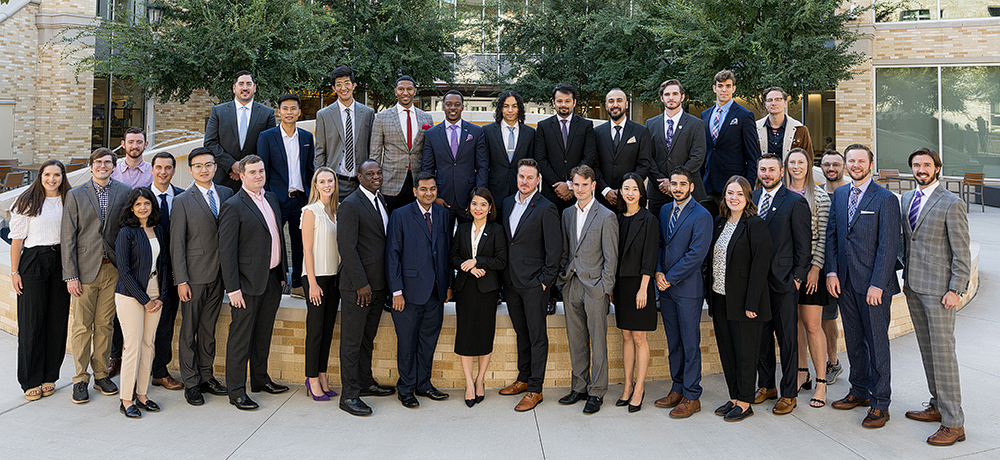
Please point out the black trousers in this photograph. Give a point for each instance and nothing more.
(196, 344)
(117, 339)
(358, 326)
(42, 317)
(527, 314)
(291, 214)
(417, 329)
(784, 325)
(320, 320)
(163, 341)
(250, 337)
(739, 342)
(404, 197)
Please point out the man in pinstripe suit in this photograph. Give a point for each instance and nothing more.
(935, 275)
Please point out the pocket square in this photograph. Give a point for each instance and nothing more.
(631, 140)
(469, 138)
(867, 212)
(735, 121)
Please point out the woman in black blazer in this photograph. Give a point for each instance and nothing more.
(141, 262)
(479, 253)
(737, 268)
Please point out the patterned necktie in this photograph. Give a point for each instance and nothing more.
(164, 212)
(670, 133)
(409, 131)
(716, 123)
(349, 145)
(244, 125)
(430, 227)
(765, 206)
(565, 133)
(510, 144)
(618, 136)
(211, 204)
(915, 210)
(852, 205)
(673, 218)
(454, 140)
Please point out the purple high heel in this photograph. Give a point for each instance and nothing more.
(322, 397)
(330, 393)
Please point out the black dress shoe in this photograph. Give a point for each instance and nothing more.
(244, 403)
(573, 397)
(355, 406)
(550, 309)
(377, 390)
(193, 396)
(434, 394)
(409, 401)
(480, 398)
(593, 405)
(148, 406)
(270, 387)
(724, 409)
(738, 414)
(213, 387)
(130, 411)
(470, 402)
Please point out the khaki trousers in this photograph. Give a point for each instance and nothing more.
(93, 312)
(138, 330)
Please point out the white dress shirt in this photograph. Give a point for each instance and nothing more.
(371, 197)
(40, 230)
(215, 196)
(519, 207)
(676, 119)
(402, 120)
(505, 133)
(477, 234)
(292, 157)
(766, 194)
(342, 167)
(581, 217)
(925, 194)
(170, 197)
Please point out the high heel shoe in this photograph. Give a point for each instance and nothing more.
(816, 402)
(624, 402)
(638, 407)
(808, 384)
(319, 397)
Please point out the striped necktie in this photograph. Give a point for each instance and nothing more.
(852, 206)
(915, 210)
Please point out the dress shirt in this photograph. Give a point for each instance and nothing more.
(40, 230)
(765, 193)
(477, 234)
(141, 176)
(505, 133)
(293, 160)
(342, 168)
(581, 217)
(679, 205)
(676, 119)
(413, 120)
(215, 196)
(925, 194)
(775, 137)
(170, 197)
(423, 213)
(519, 207)
(272, 224)
(850, 190)
(378, 205)
(724, 111)
(248, 106)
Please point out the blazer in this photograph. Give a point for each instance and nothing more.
(535, 246)
(271, 149)
(747, 258)
(456, 176)
(222, 137)
(796, 136)
(790, 223)
(936, 255)
(865, 250)
(503, 172)
(170, 211)
(593, 257)
(361, 240)
(736, 150)
(330, 136)
(388, 147)
(687, 149)
(638, 256)
(132, 248)
(194, 248)
(634, 154)
(554, 160)
(682, 252)
(85, 237)
(416, 258)
(244, 243)
(491, 255)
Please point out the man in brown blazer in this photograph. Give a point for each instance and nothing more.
(397, 144)
(779, 133)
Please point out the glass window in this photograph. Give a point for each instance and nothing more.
(969, 99)
(895, 10)
(906, 114)
(960, 9)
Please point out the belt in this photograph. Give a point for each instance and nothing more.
(105, 261)
(296, 193)
(347, 178)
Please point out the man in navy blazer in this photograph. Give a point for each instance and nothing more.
(287, 152)
(731, 136)
(863, 236)
(455, 152)
(419, 278)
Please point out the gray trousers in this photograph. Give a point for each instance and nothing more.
(935, 329)
(586, 332)
(196, 341)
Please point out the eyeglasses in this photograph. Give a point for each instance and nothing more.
(203, 165)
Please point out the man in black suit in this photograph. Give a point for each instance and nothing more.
(362, 220)
(623, 146)
(233, 128)
(563, 142)
(678, 140)
(731, 140)
(535, 235)
(508, 141)
(251, 251)
(789, 221)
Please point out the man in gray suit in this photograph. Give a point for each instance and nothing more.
(935, 276)
(233, 128)
(194, 255)
(678, 140)
(89, 230)
(342, 133)
(589, 261)
(398, 144)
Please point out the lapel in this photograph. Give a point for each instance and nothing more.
(463, 135)
(626, 135)
(255, 113)
(282, 161)
(524, 216)
(444, 136)
(677, 132)
(741, 227)
(866, 198)
(418, 136)
(786, 145)
(230, 108)
(522, 142)
(575, 124)
(586, 223)
(394, 121)
(418, 217)
(777, 201)
(928, 206)
(729, 119)
(372, 212)
(201, 203)
(92, 194)
(338, 121)
(249, 203)
(640, 220)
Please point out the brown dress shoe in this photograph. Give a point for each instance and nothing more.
(784, 406)
(685, 408)
(670, 400)
(947, 436)
(764, 393)
(114, 366)
(875, 418)
(850, 402)
(929, 414)
(528, 402)
(169, 383)
(515, 388)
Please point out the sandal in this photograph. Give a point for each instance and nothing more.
(808, 384)
(815, 402)
(33, 394)
(48, 389)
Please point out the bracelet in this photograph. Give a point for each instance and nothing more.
(18, 272)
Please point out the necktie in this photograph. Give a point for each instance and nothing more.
(618, 137)
(378, 209)
(915, 210)
(765, 206)
(244, 125)
(409, 131)
(454, 141)
(716, 123)
(164, 212)
(670, 133)
(852, 205)
(673, 218)
(430, 227)
(565, 133)
(510, 144)
(211, 204)
(349, 145)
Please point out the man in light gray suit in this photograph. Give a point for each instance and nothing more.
(342, 133)
(88, 234)
(589, 261)
(398, 143)
(937, 263)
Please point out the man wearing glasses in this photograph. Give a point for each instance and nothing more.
(779, 133)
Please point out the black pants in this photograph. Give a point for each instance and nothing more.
(783, 325)
(320, 320)
(250, 337)
(42, 317)
(739, 343)
(162, 349)
(404, 197)
(358, 326)
(417, 329)
(291, 214)
(196, 344)
(117, 339)
(527, 315)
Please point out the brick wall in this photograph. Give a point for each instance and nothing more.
(190, 116)
(18, 67)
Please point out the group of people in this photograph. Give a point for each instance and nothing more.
(388, 211)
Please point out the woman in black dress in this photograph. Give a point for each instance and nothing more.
(635, 314)
(479, 253)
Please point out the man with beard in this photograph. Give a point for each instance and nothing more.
(623, 146)
(233, 128)
(678, 140)
(833, 170)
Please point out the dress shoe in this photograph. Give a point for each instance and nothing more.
(330, 393)
(480, 398)
(670, 400)
(764, 393)
(784, 406)
(875, 419)
(929, 414)
(409, 401)
(244, 403)
(130, 411)
(355, 406)
(316, 397)
(213, 387)
(193, 396)
(515, 388)
(550, 309)
(434, 394)
(724, 409)
(470, 402)
(528, 402)
(593, 405)
(270, 387)
(168, 382)
(106, 386)
(114, 366)
(637, 407)
(377, 390)
(737, 413)
(850, 402)
(685, 408)
(148, 406)
(573, 397)
(947, 436)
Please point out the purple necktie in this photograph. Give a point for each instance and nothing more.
(717, 123)
(430, 227)
(852, 205)
(565, 133)
(915, 210)
(670, 133)
(454, 142)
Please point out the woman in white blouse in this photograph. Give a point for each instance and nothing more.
(36, 275)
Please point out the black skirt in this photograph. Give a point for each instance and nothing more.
(627, 316)
(476, 320)
(820, 297)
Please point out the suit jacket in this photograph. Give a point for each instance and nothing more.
(132, 248)
(245, 242)
(85, 237)
(271, 149)
(194, 248)
(636, 257)
(796, 136)
(491, 255)
(456, 176)
(361, 240)
(503, 172)
(736, 150)
(388, 147)
(747, 258)
(555, 160)
(330, 137)
(687, 148)
(936, 255)
(864, 251)
(535, 246)
(168, 271)
(222, 136)
(682, 252)
(594, 256)
(790, 223)
(411, 247)
(634, 154)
